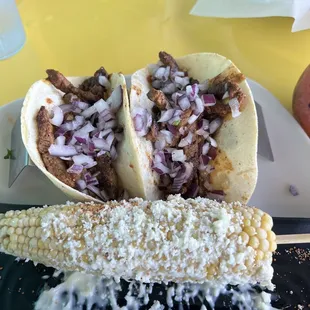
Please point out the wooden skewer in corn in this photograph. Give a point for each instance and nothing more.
(294, 238)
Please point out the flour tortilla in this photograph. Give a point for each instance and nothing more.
(44, 93)
(236, 163)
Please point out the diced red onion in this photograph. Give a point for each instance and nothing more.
(212, 152)
(293, 190)
(73, 125)
(172, 129)
(104, 133)
(81, 105)
(86, 129)
(81, 140)
(82, 159)
(160, 168)
(181, 81)
(169, 89)
(110, 139)
(60, 140)
(113, 152)
(66, 107)
(91, 146)
(187, 140)
(92, 181)
(215, 125)
(205, 148)
(203, 87)
(95, 190)
(159, 74)
(90, 111)
(192, 119)
(142, 121)
(168, 135)
(167, 73)
(212, 141)
(102, 80)
(166, 115)
(116, 99)
(101, 125)
(199, 106)
(226, 95)
(209, 100)
(77, 169)
(62, 150)
(182, 177)
(60, 132)
(156, 84)
(101, 144)
(178, 155)
(138, 122)
(179, 73)
(65, 158)
(159, 157)
(81, 184)
(110, 124)
(192, 92)
(205, 159)
(182, 130)
(100, 106)
(183, 102)
(160, 142)
(58, 116)
(102, 152)
(234, 106)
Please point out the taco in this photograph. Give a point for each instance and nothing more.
(74, 131)
(194, 126)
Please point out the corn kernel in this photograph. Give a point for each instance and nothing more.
(261, 233)
(249, 230)
(271, 236)
(254, 242)
(264, 245)
(272, 246)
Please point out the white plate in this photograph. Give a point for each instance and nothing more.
(290, 145)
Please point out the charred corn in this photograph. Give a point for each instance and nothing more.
(195, 240)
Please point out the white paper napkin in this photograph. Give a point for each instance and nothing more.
(298, 9)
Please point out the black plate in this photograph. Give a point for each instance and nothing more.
(21, 282)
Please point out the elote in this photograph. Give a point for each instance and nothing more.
(194, 240)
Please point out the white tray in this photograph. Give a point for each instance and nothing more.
(291, 149)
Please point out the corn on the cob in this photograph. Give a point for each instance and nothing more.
(178, 240)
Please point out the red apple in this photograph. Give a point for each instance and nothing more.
(301, 101)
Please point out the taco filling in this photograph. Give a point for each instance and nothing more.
(185, 119)
(78, 142)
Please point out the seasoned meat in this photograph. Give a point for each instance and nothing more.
(159, 98)
(69, 116)
(101, 72)
(193, 81)
(61, 83)
(235, 91)
(220, 109)
(184, 117)
(57, 167)
(153, 133)
(69, 98)
(107, 177)
(54, 165)
(89, 83)
(168, 60)
(45, 130)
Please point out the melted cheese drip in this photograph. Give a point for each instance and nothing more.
(80, 289)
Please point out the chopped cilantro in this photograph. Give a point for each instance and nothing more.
(9, 155)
